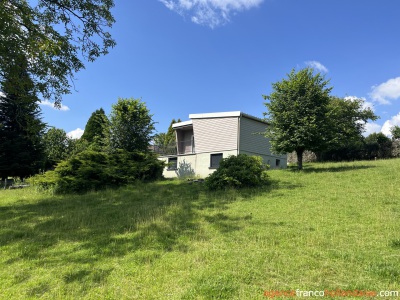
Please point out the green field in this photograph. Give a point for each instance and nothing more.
(329, 227)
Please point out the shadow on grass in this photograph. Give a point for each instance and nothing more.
(225, 223)
(142, 221)
(323, 169)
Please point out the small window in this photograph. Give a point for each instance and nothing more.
(172, 163)
(278, 163)
(193, 147)
(215, 160)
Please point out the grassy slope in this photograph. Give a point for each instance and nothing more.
(332, 226)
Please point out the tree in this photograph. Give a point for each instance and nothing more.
(59, 146)
(395, 131)
(347, 118)
(166, 142)
(97, 129)
(378, 145)
(160, 143)
(56, 144)
(53, 36)
(297, 111)
(21, 127)
(171, 138)
(131, 125)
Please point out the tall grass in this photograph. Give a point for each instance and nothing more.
(331, 226)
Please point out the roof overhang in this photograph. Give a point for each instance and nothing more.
(228, 114)
(182, 124)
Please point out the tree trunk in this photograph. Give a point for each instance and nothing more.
(299, 159)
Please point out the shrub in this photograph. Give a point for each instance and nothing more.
(131, 166)
(238, 172)
(93, 170)
(47, 181)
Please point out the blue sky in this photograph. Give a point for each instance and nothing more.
(199, 56)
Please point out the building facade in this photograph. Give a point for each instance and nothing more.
(205, 139)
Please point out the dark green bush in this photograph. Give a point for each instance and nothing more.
(92, 170)
(237, 172)
(131, 166)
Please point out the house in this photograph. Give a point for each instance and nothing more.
(205, 139)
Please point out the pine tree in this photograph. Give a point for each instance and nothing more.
(97, 129)
(21, 128)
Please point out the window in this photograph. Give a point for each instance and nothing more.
(278, 162)
(193, 147)
(215, 160)
(172, 163)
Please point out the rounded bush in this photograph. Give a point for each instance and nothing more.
(238, 172)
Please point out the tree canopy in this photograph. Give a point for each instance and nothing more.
(55, 143)
(131, 125)
(297, 110)
(53, 37)
(395, 131)
(304, 116)
(166, 142)
(378, 145)
(347, 118)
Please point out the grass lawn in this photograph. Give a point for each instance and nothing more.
(329, 227)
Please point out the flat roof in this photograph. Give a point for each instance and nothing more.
(227, 114)
(182, 124)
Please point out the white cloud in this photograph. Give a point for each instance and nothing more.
(75, 134)
(211, 13)
(317, 66)
(389, 90)
(394, 121)
(371, 128)
(365, 105)
(50, 104)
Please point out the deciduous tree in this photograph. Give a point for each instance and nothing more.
(56, 144)
(297, 113)
(395, 131)
(54, 37)
(347, 118)
(131, 125)
(378, 145)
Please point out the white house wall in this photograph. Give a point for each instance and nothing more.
(274, 161)
(193, 165)
(251, 138)
(215, 134)
(253, 142)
